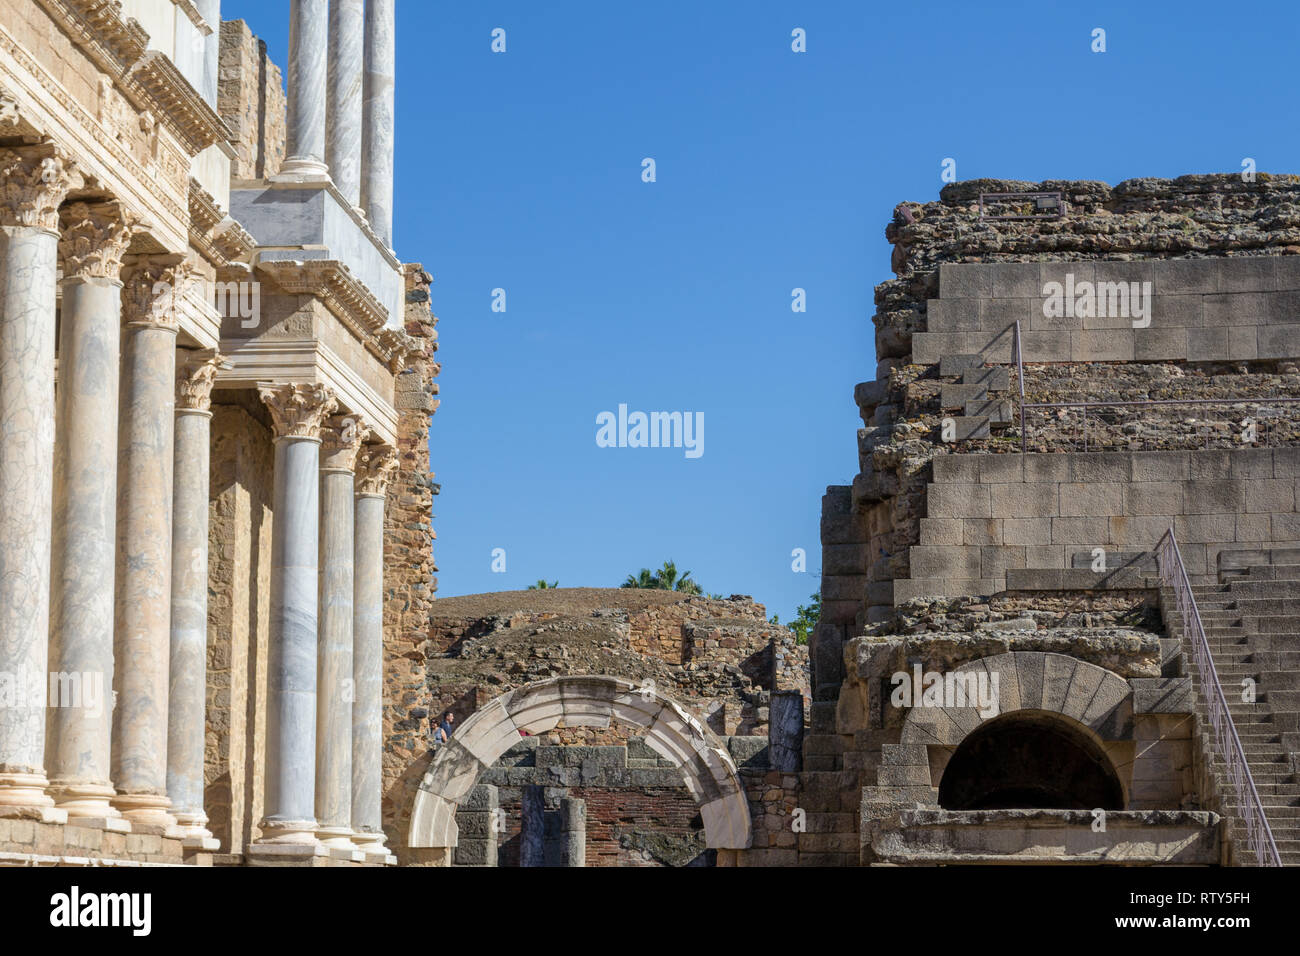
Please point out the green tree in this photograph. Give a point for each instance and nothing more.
(665, 579)
(542, 585)
(805, 619)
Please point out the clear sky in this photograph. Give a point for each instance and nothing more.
(775, 170)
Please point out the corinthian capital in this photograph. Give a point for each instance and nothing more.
(94, 239)
(33, 183)
(194, 380)
(153, 290)
(298, 410)
(376, 466)
(341, 441)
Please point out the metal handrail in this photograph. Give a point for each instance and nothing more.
(1259, 835)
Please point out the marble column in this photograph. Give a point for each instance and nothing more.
(377, 130)
(343, 113)
(85, 514)
(375, 468)
(307, 80)
(210, 10)
(341, 438)
(142, 644)
(187, 687)
(297, 411)
(35, 183)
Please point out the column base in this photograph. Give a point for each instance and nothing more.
(148, 812)
(23, 796)
(195, 835)
(298, 169)
(372, 848)
(338, 841)
(89, 805)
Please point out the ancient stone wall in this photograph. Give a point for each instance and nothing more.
(250, 98)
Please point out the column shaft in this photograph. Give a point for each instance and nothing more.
(210, 10)
(28, 268)
(377, 133)
(187, 687)
(334, 692)
(343, 123)
(374, 469)
(298, 411)
(78, 751)
(307, 79)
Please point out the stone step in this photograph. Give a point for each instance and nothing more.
(996, 379)
(959, 363)
(957, 396)
(965, 426)
(997, 412)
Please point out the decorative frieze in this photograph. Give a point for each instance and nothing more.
(93, 240)
(376, 466)
(195, 378)
(298, 410)
(33, 184)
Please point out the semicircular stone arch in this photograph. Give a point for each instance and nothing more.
(1098, 703)
(582, 701)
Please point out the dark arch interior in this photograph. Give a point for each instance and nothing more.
(1029, 761)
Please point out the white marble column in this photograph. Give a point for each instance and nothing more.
(334, 691)
(35, 183)
(210, 10)
(85, 514)
(187, 687)
(375, 467)
(377, 132)
(307, 79)
(343, 122)
(289, 826)
(151, 301)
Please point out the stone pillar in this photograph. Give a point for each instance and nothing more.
(308, 49)
(80, 723)
(210, 10)
(785, 731)
(334, 681)
(532, 825)
(187, 687)
(36, 181)
(377, 133)
(476, 823)
(289, 827)
(375, 468)
(142, 643)
(573, 832)
(343, 122)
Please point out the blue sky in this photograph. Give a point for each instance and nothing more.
(775, 170)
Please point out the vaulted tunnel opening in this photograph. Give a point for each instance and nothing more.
(1029, 761)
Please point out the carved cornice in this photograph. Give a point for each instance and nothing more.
(33, 183)
(153, 292)
(113, 41)
(195, 378)
(171, 97)
(298, 410)
(341, 440)
(94, 239)
(395, 347)
(218, 237)
(376, 466)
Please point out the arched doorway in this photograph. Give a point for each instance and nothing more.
(588, 701)
(1030, 760)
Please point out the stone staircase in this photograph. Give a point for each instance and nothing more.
(1252, 623)
(829, 793)
(980, 411)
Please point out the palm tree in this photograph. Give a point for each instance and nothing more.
(665, 579)
(645, 579)
(541, 585)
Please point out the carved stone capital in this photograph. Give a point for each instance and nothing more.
(376, 466)
(194, 380)
(341, 440)
(33, 183)
(153, 290)
(298, 410)
(94, 239)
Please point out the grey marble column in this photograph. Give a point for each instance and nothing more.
(334, 683)
(307, 77)
(85, 514)
(187, 686)
(377, 132)
(210, 10)
(375, 468)
(298, 412)
(36, 181)
(142, 643)
(343, 123)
